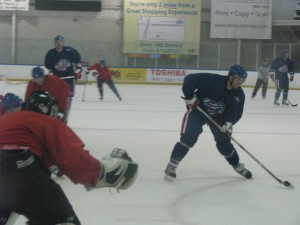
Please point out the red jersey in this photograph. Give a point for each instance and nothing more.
(50, 140)
(102, 73)
(56, 87)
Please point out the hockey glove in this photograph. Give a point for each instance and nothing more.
(117, 171)
(292, 78)
(191, 103)
(227, 129)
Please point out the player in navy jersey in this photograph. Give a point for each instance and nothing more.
(282, 66)
(64, 62)
(222, 98)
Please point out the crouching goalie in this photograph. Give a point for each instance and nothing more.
(31, 141)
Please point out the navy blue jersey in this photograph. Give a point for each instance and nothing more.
(62, 63)
(282, 67)
(215, 99)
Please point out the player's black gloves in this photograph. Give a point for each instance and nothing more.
(291, 77)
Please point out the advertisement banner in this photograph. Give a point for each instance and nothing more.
(19, 5)
(241, 19)
(162, 27)
(166, 75)
(128, 74)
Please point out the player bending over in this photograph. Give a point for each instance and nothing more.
(32, 139)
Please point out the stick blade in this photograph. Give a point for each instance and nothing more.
(288, 184)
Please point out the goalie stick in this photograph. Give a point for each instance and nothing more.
(285, 183)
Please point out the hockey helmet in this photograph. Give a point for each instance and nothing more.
(238, 71)
(41, 102)
(102, 62)
(11, 101)
(37, 72)
(59, 38)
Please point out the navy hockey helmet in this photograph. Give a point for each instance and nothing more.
(59, 38)
(41, 102)
(11, 101)
(37, 72)
(237, 70)
(102, 62)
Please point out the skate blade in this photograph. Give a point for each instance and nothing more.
(168, 178)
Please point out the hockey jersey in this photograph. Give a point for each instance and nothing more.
(215, 99)
(50, 140)
(102, 73)
(57, 88)
(62, 63)
(282, 67)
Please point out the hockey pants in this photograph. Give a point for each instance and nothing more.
(27, 189)
(192, 124)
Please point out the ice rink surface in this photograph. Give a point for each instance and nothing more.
(207, 190)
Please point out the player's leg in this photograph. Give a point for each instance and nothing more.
(264, 89)
(112, 86)
(225, 147)
(100, 88)
(29, 190)
(257, 85)
(191, 129)
(285, 91)
(278, 91)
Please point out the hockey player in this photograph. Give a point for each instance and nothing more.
(222, 98)
(29, 141)
(103, 75)
(64, 62)
(10, 103)
(56, 87)
(262, 78)
(282, 66)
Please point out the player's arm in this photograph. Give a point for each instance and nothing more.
(48, 60)
(191, 83)
(67, 152)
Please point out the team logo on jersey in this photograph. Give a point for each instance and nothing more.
(237, 99)
(283, 69)
(62, 65)
(213, 107)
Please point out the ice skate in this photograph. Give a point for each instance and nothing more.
(285, 103)
(240, 168)
(170, 173)
(276, 102)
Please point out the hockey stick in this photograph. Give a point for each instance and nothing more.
(86, 83)
(293, 105)
(84, 89)
(285, 183)
(3, 78)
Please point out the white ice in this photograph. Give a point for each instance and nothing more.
(207, 191)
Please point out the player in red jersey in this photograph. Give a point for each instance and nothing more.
(56, 87)
(32, 139)
(103, 75)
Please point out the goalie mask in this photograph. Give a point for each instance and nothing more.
(41, 102)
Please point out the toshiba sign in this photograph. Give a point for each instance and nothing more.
(166, 75)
